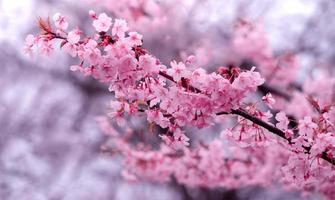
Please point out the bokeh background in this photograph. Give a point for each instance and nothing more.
(49, 139)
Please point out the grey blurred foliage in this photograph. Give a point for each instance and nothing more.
(49, 139)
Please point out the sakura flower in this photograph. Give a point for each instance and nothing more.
(46, 47)
(307, 126)
(289, 134)
(269, 100)
(155, 115)
(148, 64)
(74, 36)
(29, 43)
(60, 21)
(90, 52)
(248, 80)
(119, 28)
(70, 49)
(103, 23)
(265, 116)
(177, 70)
(178, 141)
(322, 142)
(117, 111)
(134, 39)
(159, 93)
(282, 120)
(198, 77)
(330, 116)
(126, 67)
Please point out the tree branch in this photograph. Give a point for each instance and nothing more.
(273, 130)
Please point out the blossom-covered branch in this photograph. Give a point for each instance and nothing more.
(183, 95)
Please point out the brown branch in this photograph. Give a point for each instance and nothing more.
(260, 122)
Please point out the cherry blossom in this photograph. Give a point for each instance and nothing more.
(177, 70)
(60, 21)
(307, 127)
(156, 116)
(120, 28)
(46, 47)
(29, 43)
(248, 80)
(282, 120)
(102, 23)
(148, 64)
(269, 100)
(134, 39)
(74, 36)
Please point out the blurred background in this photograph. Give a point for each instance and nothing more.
(49, 139)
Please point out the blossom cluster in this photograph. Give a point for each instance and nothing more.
(178, 96)
(173, 97)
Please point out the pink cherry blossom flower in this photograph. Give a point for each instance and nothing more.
(46, 47)
(282, 120)
(134, 39)
(289, 134)
(74, 36)
(29, 43)
(120, 27)
(180, 140)
(330, 116)
(148, 64)
(70, 49)
(248, 80)
(156, 116)
(322, 142)
(177, 70)
(265, 116)
(307, 126)
(198, 77)
(103, 23)
(269, 100)
(159, 93)
(117, 111)
(90, 52)
(60, 21)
